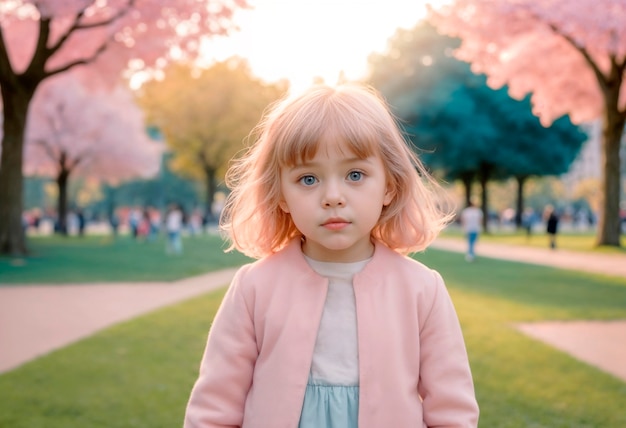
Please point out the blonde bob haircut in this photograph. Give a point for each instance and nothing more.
(356, 118)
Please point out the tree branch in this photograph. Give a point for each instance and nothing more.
(41, 54)
(77, 26)
(615, 74)
(6, 71)
(52, 49)
(618, 67)
(78, 159)
(47, 148)
(600, 76)
(602, 79)
(83, 61)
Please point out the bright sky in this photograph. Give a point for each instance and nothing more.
(303, 39)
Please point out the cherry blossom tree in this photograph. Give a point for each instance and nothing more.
(73, 131)
(42, 38)
(570, 55)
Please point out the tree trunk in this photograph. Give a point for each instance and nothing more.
(467, 180)
(211, 188)
(519, 203)
(15, 100)
(62, 180)
(609, 227)
(109, 197)
(485, 172)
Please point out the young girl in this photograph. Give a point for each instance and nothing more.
(333, 326)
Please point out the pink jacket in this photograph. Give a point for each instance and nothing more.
(413, 366)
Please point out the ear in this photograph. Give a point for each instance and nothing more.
(283, 206)
(389, 195)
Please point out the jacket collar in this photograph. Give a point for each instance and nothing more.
(380, 260)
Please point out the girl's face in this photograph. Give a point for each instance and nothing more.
(335, 200)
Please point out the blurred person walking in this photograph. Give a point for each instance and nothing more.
(552, 224)
(134, 218)
(174, 227)
(471, 221)
(81, 221)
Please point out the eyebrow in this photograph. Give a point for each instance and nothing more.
(308, 164)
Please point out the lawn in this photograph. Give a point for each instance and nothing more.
(575, 241)
(139, 373)
(521, 382)
(67, 260)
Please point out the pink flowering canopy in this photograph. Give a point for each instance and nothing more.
(98, 134)
(102, 39)
(571, 55)
(552, 48)
(116, 33)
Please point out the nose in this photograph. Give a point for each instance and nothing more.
(333, 195)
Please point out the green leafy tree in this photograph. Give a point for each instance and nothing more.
(464, 129)
(206, 114)
(571, 56)
(156, 192)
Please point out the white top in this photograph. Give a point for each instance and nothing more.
(336, 354)
(472, 219)
(174, 221)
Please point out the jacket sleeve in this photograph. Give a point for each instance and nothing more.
(219, 394)
(445, 384)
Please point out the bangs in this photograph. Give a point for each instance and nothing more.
(335, 124)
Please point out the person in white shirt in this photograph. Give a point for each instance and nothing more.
(173, 227)
(471, 221)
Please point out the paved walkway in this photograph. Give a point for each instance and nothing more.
(38, 319)
(608, 264)
(599, 343)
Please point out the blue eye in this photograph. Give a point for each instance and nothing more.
(308, 180)
(355, 175)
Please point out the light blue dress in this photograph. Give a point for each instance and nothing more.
(331, 399)
(330, 406)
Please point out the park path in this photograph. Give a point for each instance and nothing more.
(37, 319)
(599, 343)
(608, 264)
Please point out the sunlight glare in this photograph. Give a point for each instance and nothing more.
(301, 40)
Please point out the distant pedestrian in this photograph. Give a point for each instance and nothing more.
(36, 219)
(144, 227)
(155, 224)
(134, 219)
(552, 224)
(528, 220)
(174, 228)
(114, 221)
(195, 222)
(80, 217)
(472, 223)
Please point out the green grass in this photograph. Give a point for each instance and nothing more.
(104, 259)
(575, 241)
(521, 382)
(136, 374)
(139, 373)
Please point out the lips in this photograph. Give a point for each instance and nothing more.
(335, 223)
